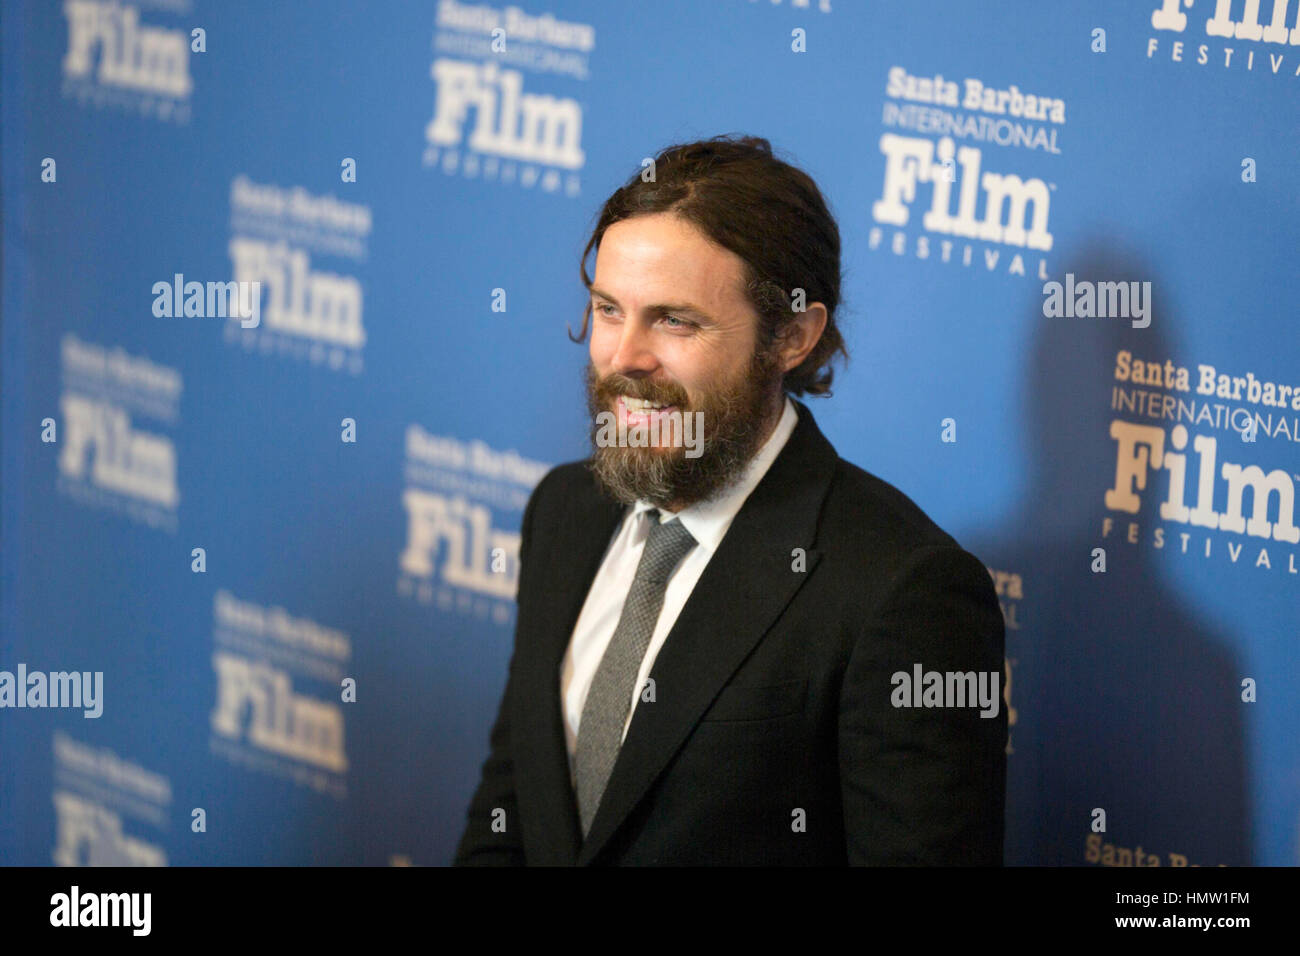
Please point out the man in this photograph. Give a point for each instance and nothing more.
(717, 634)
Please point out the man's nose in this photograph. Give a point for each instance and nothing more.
(634, 353)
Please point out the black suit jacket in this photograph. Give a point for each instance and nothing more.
(772, 738)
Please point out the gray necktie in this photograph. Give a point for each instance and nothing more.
(600, 732)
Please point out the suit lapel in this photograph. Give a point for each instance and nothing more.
(744, 588)
(540, 754)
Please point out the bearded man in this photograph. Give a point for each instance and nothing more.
(723, 627)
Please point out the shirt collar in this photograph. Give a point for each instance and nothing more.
(708, 521)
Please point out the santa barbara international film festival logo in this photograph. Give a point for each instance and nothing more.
(1169, 480)
(117, 447)
(953, 192)
(279, 236)
(504, 67)
(115, 59)
(96, 794)
(281, 690)
(460, 498)
(1227, 35)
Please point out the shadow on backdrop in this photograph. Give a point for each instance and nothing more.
(1122, 699)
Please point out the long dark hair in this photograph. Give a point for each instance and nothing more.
(764, 210)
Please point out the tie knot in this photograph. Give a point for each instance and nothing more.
(667, 543)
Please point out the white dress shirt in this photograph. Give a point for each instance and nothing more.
(707, 521)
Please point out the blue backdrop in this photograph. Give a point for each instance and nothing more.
(286, 539)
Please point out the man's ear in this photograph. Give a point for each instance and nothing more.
(801, 335)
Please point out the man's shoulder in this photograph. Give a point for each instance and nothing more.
(865, 521)
(857, 504)
(570, 474)
(876, 545)
(859, 499)
(565, 494)
(869, 526)
(570, 482)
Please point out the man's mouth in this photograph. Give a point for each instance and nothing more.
(640, 411)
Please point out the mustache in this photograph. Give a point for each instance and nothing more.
(614, 385)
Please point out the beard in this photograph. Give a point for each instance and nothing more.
(731, 429)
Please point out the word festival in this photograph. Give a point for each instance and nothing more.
(1273, 38)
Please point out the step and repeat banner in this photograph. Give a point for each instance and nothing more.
(260, 551)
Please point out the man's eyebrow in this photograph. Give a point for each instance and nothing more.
(661, 307)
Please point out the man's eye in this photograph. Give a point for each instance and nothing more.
(601, 307)
(681, 323)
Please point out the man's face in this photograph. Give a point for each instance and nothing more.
(671, 324)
